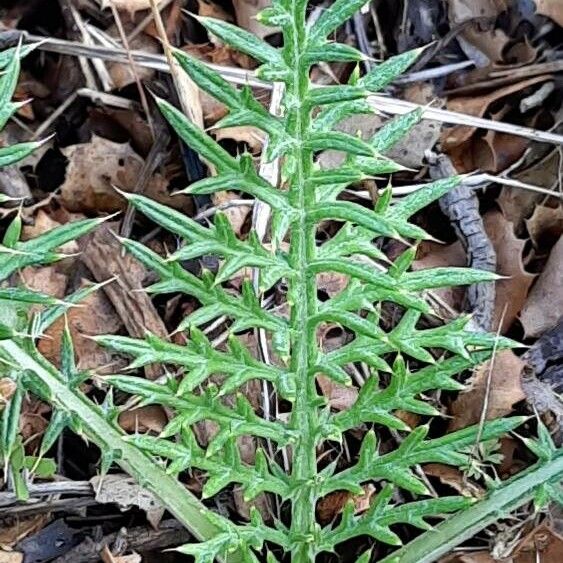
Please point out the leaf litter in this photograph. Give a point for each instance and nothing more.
(102, 142)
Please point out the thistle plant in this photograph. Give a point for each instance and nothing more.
(403, 363)
(212, 380)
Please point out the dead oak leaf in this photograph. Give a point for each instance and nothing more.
(544, 305)
(504, 391)
(511, 291)
(94, 168)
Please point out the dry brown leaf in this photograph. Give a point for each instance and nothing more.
(454, 478)
(517, 205)
(209, 9)
(44, 223)
(125, 492)
(252, 136)
(339, 397)
(122, 74)
(332, 505)
(505, 390)
(512, 291)
(144, 419)
(544, 306)
(541, 544)
(552, 9)
(45, 279)
(494, 152)
(545, 225)
(237, 214)
(433, 255)
(332, 283)
(94, 316)
(477, 106)
(94, 169)
(246, 12)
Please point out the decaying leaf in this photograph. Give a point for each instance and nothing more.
(504, 391)
(125, 492)
(94, 169)
(433, 255)
(544, 306)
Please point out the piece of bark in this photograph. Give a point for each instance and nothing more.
(142, 538)
(104, 257)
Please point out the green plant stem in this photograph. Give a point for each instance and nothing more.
(431, 545)
(186, 508)
(303, 297)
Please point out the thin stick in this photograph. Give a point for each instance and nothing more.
(142, 95)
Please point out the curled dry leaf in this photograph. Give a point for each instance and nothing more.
(94, 169)
(504, 391)
(544, 306)
(125, 492)
(107, 557)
